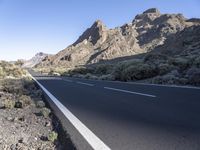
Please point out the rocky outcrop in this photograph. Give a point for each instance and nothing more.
(145, 33)
(96, 34)
(185, 42)
(35, 60)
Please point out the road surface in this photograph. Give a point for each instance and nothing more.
(129, 116)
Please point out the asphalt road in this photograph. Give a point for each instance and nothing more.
(130, 116)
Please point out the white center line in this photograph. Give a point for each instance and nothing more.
(85, 83)
(95, 142)
(67, 80)
(131, 92)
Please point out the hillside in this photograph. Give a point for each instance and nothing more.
(146, 32)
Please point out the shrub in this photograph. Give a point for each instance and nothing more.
(174, 73)
(45, 112)
(118, 71)
(166, 79)
(11, 70)
(164, 68)
(23, 101)
(103, 69)
(53, 136)
(107, 77)
(2, 73)
(40, 104)
(182, 63)
(12, 86)
(82, 70)
(19, 63)
(139, 72)
(54, 73)
(8, 103)
(197, 62)
(193, 75)
(155, 58)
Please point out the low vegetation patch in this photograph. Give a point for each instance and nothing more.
(20, 103)
(154, 68)
(53, 136)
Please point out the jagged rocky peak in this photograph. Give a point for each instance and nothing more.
(152, 10)
(99, 24)
(96, 34)
(148, 15)
(41, 54)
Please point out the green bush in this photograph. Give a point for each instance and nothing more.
(166, 79)
(119, 69)
(40, 104)
(23, 101)
(11, 70)
(103, 69)
(45, 112)
(193, 75)
(197, 62)
(155, 58)
(107, 77)
(9, 104)
(164, 68)
(53, 136)
(12, 86)
(181, 63)
(82, 70)
(139, 72)
(2, 73)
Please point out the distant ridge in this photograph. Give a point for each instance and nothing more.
(34, 60)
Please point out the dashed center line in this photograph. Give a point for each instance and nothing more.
(114, 89)
(131, 92)
(85, 83)
(67, 80)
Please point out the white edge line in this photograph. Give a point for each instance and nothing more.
(89, 136)
(137, 93)
(85, 83)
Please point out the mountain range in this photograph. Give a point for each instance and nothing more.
(150, 31)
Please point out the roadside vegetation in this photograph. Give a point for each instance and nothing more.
(153, 68)
(26, 122)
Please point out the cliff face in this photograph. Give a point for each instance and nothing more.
(145, 33)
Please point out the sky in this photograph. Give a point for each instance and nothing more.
(31, 26)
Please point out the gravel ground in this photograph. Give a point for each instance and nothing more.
(27, 126)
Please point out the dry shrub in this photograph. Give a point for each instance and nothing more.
(181, 63)
(103, 69)
(107, 77)
(9, 104)
(197, 62)
(23, 101)
(155, 58)
(193, 75)
(164, 68)
(118, 71)
(138, 72)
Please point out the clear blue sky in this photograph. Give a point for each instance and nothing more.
(30, 26)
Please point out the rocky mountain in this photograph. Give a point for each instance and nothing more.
(146, 32)
(185, 43)
(35, 60)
